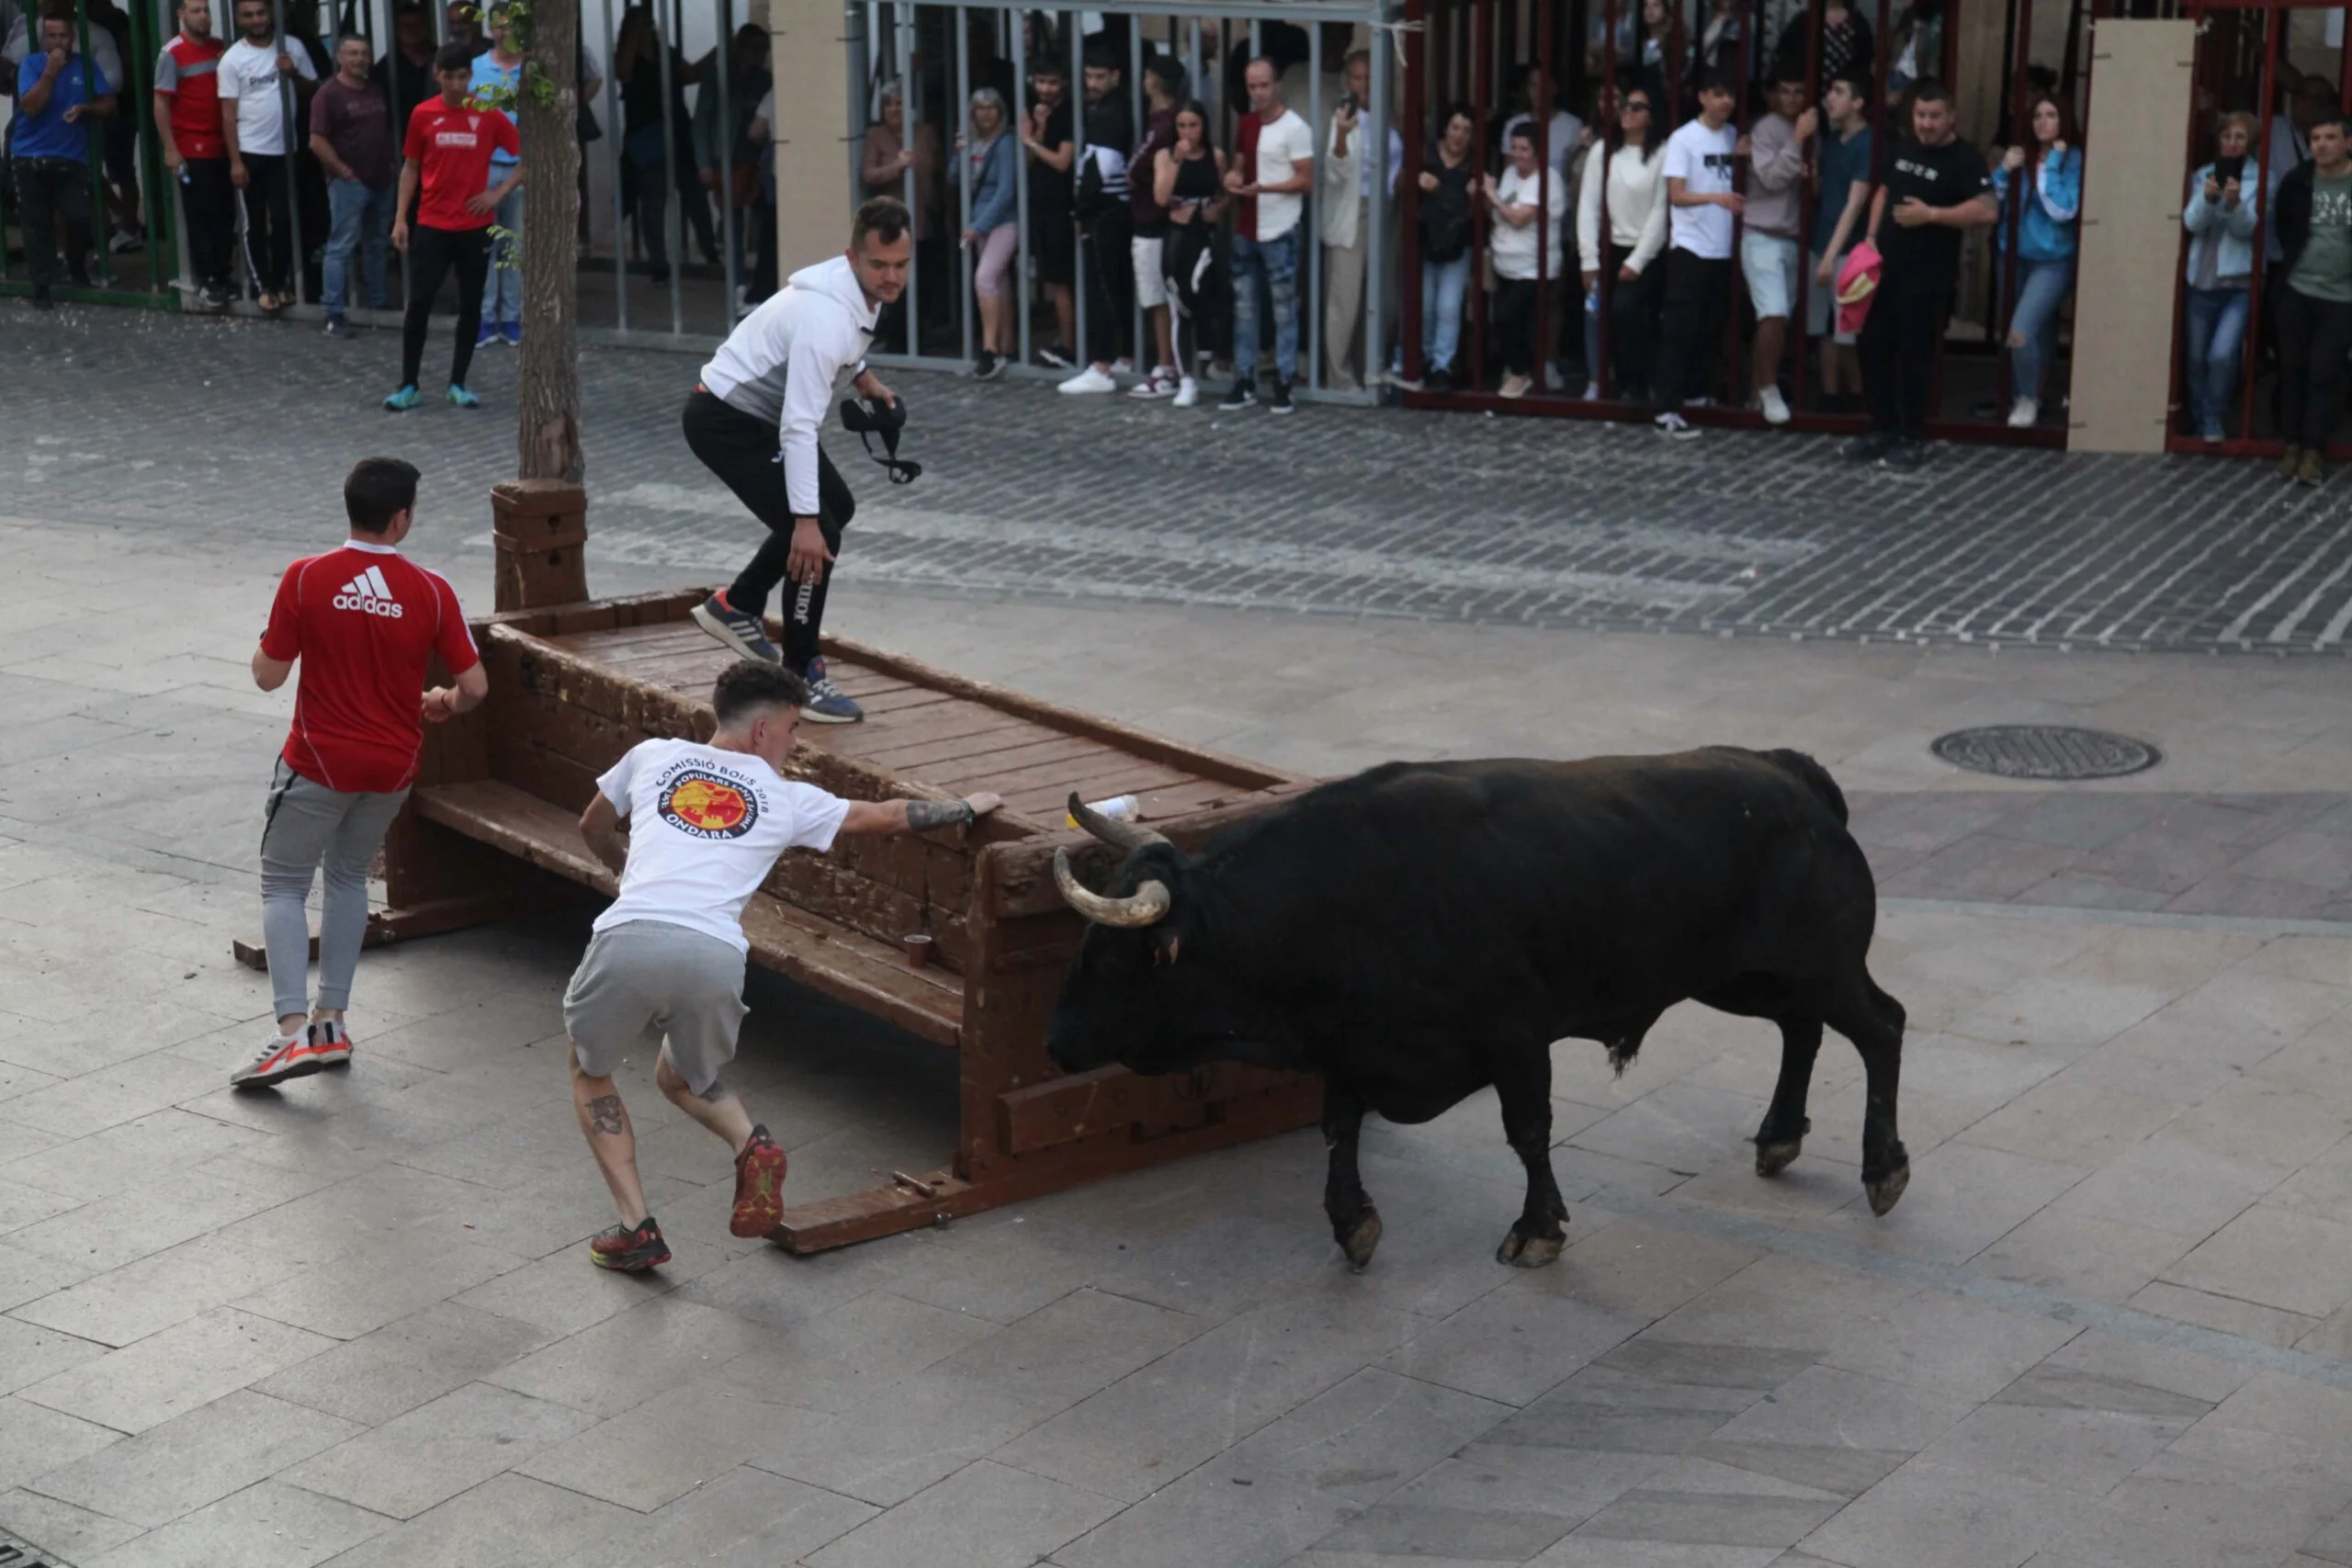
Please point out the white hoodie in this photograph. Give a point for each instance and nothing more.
(785, 360)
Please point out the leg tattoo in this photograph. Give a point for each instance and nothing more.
(606, 1115)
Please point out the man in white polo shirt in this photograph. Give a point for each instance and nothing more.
(693, 828)
(1702, 206)
(255, 118)
(1272, 168)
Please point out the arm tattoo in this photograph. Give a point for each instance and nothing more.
(604, 1113)
(922, 814)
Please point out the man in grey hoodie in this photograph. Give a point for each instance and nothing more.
(752, 418)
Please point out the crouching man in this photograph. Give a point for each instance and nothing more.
(692, 830)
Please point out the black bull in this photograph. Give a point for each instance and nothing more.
(1421, 931)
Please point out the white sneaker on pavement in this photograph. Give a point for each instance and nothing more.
(2025, 414)
(1089, 380)
(1187, 392)
(1776, 407)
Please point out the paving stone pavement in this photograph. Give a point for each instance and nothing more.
(2111, 1322)
(1452, 518)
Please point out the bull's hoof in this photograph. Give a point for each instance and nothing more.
(1358, 1243)
(1529, 1251)
(1885, 1191)
(1775, 1157)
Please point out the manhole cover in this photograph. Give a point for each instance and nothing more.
(19, 1553)
(2046, 751)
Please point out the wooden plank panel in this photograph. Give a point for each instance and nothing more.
(1016, 766)
(1130, 777)
(880, 740)
(913, 759)
(1157, 749)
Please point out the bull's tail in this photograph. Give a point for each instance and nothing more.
(1816, 778)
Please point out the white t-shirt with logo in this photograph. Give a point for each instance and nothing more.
(249, 75)
(1703, 161)
(705, 828)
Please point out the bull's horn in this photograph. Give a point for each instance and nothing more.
(1145, 906)
(1118, 835)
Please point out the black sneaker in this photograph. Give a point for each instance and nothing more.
(1279, 402)
(1243, 396)
(738, 631)
(629, 1251)
(1058, 357)
(1867, 447)
(1439, 380)
(339, 328)
(988, 367)
(1904, 457)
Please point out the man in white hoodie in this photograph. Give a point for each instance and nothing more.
(752, 418)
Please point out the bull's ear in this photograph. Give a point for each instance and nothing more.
(1166, 948)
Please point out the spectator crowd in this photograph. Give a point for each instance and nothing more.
(1786, 229)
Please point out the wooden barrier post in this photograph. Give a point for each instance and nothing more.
(541, 530)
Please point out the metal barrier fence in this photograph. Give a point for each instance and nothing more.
(935, 55)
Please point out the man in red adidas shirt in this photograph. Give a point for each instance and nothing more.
(447, 152)
(364, 621)
(187, 127)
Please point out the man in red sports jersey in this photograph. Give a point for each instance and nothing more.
(447, 152)
(364, 621)
(187, 128)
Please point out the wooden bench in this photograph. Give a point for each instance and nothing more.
(492, 829)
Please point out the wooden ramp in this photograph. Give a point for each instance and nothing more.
(493, 827)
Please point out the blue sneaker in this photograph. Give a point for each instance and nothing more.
(488, 333)
(738, 631)
(827, 703)
(462, 398)
(512, 331)
(403, 400)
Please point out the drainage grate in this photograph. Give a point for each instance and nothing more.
(2046, 751)
(17, 1552)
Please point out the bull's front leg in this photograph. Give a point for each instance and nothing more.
(1523, 1085)
(1782, 1137)
(1355, 1224)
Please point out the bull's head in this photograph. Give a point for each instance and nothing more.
(1150, 989)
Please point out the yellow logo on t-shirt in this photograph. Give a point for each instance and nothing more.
(707, 807)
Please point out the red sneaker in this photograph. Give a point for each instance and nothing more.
(759, 1187)
(284, 1056)
(629, 1251)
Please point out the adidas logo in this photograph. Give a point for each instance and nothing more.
(368, 592)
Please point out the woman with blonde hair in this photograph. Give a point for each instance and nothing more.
(985, 158)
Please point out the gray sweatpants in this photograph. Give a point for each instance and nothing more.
(305, 824)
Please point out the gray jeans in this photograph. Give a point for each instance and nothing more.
(304, 824)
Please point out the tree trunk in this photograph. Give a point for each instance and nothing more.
(548, 394)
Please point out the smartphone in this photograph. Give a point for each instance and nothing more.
(1350, 103)
(2228, 169)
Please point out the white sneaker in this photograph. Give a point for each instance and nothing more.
(2024, 415)
(1515, 387)
(1123, 365)
(1673, 425)
(1089, 380)
(1187, 392)
(1156, 385)
(1592, 391)
(1776, 407)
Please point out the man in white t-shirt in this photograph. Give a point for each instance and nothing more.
(1700, 161)
(1272, 168)
(1524, 244)
(692, 828)
(255, 118)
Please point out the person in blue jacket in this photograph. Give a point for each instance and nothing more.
(2047, 213)
(2222, 217)
(987, 160)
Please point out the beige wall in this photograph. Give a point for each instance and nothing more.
(811, 66)
(2133, 193)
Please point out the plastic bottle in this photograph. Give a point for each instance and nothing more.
(1118, 808)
